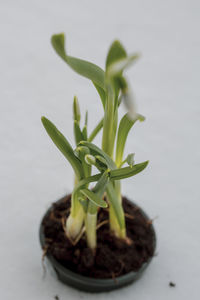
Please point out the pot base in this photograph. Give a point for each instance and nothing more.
(115, 264)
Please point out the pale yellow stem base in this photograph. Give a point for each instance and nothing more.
(75, 224)
(114, 225)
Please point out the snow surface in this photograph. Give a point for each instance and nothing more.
(33, 174)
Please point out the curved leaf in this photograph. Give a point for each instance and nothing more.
(101, 184)
(86, 181)
(130, 159)
(63, 145)
(101, 162)
(124, 127)
(94, 198)
(115, 53)
(101, 93)
(90, 159)
(128, 171)
(97, 151)
(82, 67)
(118, 66)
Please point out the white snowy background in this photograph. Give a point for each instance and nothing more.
(34, 82)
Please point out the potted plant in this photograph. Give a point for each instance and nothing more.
(96, 239)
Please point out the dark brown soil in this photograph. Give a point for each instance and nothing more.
(113, 257)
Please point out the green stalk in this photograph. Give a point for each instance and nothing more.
(124, 127)
(119, 228)
(114, 225)
(108, 141)
(95, 197)
(108, 124)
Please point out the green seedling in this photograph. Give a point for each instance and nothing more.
(108, 159)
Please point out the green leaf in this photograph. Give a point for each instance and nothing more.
(78, 133)
(94, 198)
(82, 67)
(76, 110)
(63, 145)
(125, 125)
(101, 184)
(82, 151)
(95, 131)
(84, 202)
(86, 181)
(101, 162)
(90, 159)
(122, 84)
(115, 53)
(86, 118)
(101, 93)
(130, 159)
(94, 150)
(126, 172)
(117, 207)
(118, 66)
(84, 133)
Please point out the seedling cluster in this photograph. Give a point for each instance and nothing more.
(107, 160)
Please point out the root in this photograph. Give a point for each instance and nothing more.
(63, 221)
(73, 242)
(101, 224)
(122, 266)
(129, 216)
(128, 241)
(62, 213)
(44, 253)
(79, 236)
(114, 275)
(150, 222)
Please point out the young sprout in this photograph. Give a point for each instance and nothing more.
(107, 160)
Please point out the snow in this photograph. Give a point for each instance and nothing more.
(33, 174)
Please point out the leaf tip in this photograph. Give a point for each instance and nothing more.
(141, 118)
(58, 43)
(43, 119)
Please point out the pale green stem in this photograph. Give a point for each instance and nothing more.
(114, 225)
(90, 225)
(108, 132)
(108, 141)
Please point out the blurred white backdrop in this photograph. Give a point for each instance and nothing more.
(33, 174)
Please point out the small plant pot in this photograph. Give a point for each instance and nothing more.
(89, 284)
